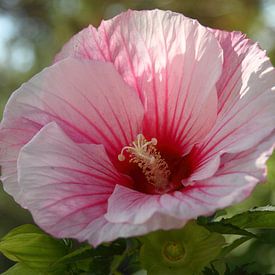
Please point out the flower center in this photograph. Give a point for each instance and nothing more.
(148, 158)
(173, 251)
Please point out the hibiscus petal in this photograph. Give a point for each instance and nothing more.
(237, 176)
(126, 205)
(101, 230)
(171, 211)
(11, 140)
(171, 61)
(88, 99)
(235, 179)
(251, 161)
(246, 99)
(65, 185)
(204, 198)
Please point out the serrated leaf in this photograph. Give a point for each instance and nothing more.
(87, 252)
(241, 270)
(129, 262)
(210, 271)
(262, 217)
(217, 267)
(223, 227)
(79, 254)
(30, 246)
(267, 236)
(236, 243)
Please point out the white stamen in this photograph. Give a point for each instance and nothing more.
(121, 157)
(146, 156)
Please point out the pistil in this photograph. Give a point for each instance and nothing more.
(145, 154)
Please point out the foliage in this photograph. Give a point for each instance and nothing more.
(197, 248)
(38, 253)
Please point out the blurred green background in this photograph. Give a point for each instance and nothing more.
(31, 32)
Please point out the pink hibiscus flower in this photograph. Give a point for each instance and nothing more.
(142, 124)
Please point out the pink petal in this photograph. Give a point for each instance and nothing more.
(252, 161)
(203, 198)
(237, 176)
(11, 140)
(129, 206)
(89, 101)
(171, 61)
(246, 100)
(142, 214)
(235, 179)
(103, 231)
(65, 185)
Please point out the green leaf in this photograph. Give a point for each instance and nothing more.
(185, 251)
(96, 261)
(26, 228)
(267, 236)
(261, 217)
(236, 243)
(129, 262)
(82, 253)
(210, 271)
(223, 227)
(217, 267)
(240, 270)
(29, 245)
(105, 255)
(87, 252)
(19, 269)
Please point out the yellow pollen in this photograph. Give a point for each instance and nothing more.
(148, 158)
